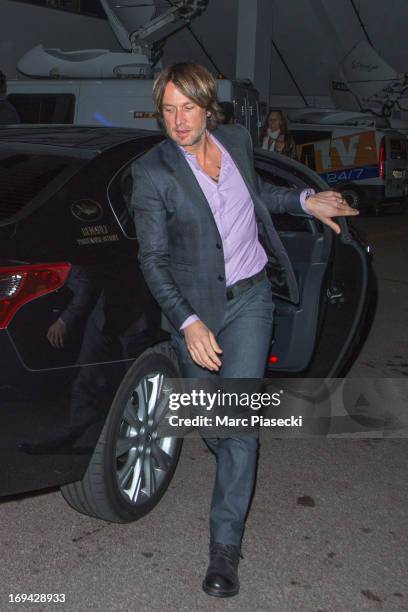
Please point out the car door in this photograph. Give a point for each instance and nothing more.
(317, 336)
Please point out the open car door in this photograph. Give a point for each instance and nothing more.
(317, 336)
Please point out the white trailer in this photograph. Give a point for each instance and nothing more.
(113, 102)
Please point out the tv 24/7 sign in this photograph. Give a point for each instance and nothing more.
(343, 157)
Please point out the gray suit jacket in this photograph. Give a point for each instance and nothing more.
(180, 249)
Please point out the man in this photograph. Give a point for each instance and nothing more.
(8, 114)
(201, 215)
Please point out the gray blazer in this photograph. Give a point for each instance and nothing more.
(180, 248)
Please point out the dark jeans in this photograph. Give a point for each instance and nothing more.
(245, 338)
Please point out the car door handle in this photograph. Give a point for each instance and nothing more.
(334, 294)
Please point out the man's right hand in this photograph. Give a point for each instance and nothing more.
(202, 346)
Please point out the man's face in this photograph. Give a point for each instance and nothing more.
(184, 120)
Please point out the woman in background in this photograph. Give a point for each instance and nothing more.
(275, 135)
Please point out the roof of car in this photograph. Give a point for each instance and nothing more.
(89, 138)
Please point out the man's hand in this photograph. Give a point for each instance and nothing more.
(56, 334)
(202, 346)
(328, 204)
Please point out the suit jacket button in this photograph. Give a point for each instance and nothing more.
(218, 245)
(220, 277)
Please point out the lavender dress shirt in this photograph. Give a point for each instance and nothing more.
(234, 215)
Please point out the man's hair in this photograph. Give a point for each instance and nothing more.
(195, 82)
(3, 83)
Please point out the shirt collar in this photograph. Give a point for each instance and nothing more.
(192, 156)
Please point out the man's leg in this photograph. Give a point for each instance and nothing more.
(245, 339)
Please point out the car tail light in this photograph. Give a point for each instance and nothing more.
(273, 359)
(382, 158)
(20, 284)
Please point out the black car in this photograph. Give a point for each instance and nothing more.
(85, 366)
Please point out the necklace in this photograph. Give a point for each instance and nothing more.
(213, 175)
(210, 166)
(217, 176)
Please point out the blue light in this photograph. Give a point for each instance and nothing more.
(99, 117)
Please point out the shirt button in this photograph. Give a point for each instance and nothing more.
(218, 245)
(220, 277)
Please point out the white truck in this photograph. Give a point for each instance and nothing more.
(102, 87)
(355, 153)
(113, 102)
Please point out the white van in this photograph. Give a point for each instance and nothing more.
(354, 153)
(114, 102)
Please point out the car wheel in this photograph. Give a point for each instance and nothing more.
(352, 197)
(132, 466)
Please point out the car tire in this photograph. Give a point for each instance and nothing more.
(352, 197)
(131, 466)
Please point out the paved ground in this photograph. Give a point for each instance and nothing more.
(385, 353)
(328, 530)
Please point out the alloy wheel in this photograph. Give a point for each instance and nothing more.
(143, 458)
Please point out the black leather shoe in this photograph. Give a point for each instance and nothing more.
(221, 579)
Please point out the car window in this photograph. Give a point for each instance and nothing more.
(44, 108)
(24, 178)
(285, 222)
(398, 149)
(119, 194)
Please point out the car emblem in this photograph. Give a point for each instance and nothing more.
(86, 210)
